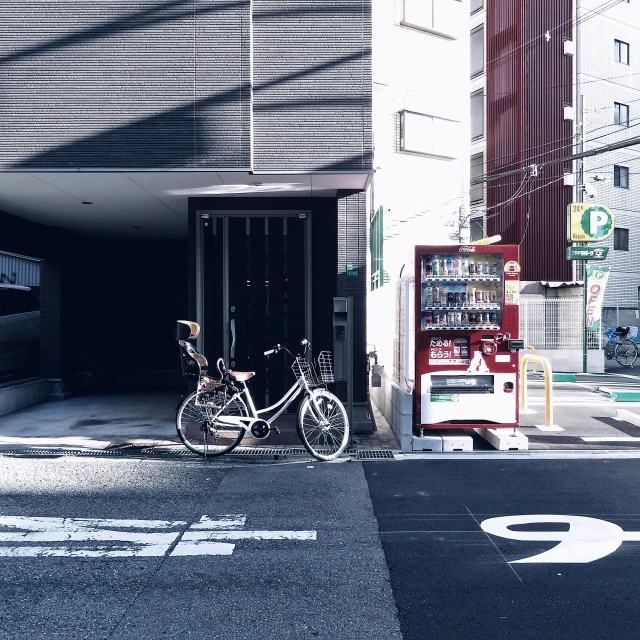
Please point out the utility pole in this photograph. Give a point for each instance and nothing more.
(580, 195)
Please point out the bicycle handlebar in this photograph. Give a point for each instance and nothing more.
(304, 342)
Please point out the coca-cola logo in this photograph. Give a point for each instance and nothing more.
(464, 249)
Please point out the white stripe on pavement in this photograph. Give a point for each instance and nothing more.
(92, 538)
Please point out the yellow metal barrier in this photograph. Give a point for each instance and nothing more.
(535, 353)
(548, 388)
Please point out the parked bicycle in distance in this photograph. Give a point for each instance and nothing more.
(213, 419)
(620, 347)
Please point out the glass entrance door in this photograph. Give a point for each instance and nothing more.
(254, 294)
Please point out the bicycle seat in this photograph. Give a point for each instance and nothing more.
(242, 376)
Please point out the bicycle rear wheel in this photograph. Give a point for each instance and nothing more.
(626, 352)
(328, 437)
(198, 429)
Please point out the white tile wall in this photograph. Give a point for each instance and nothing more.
(603, 81)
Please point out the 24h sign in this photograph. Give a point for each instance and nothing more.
(588, 222)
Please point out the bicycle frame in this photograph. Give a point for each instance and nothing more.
(300, 386)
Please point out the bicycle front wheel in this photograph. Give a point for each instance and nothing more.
(198, 429)
(324, 436)
(626, 352)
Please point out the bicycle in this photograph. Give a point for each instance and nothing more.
(213, 419)
(623, 349)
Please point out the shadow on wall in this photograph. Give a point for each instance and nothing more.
(212, 130)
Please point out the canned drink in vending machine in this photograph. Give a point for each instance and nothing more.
(465, 266)
(458, 297)
(485, 318)
(451, 298)
(436, 317)
(429, 318)
(473, 318)
(436, 266)
(428, 266)
(428, 295)
(465, 297)
(451, 319)
(436, 294)
(444, 295)
(457, 318)
(472, 295)
(472, 268)
(485, 268)
(494, 317)
(465, 317)
(494, 296)
(486, 296)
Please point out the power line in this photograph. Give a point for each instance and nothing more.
(585, 154)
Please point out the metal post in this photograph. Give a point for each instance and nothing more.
(407, 319)
(584, 317)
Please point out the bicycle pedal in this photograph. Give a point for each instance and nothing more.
(274, 428)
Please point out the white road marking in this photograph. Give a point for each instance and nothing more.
(587, 539)
(611, 439)
(250, 535)
(109, 538)
(221, 522)
(553, 427)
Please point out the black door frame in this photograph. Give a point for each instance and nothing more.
(225, 214)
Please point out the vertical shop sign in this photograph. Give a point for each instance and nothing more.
(597, 278)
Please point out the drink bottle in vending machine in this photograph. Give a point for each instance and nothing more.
(466, 351)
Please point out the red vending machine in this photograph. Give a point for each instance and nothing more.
(467, 336)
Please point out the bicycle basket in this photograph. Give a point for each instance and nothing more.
(326, 367)
(305, 370)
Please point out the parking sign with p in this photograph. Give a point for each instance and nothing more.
(588, 222)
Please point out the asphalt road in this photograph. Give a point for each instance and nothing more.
(336, 586)
(452, 579)
(95, 548)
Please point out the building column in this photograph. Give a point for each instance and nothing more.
(352, 281)
(50, 330)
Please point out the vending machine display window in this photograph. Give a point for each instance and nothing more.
(461, 291)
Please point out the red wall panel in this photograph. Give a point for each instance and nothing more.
(529, 82)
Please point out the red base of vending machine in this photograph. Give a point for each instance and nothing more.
(467, 336)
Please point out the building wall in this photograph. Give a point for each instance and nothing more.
(424, 195)
(528, 85)
(603, 81)
(138, 83)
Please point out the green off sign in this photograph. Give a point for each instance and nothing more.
(588, 222)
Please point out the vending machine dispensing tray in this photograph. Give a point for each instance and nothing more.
(462, 384)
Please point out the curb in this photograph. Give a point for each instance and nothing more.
(620, 396)
(628, 416)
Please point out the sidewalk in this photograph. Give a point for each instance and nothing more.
(145, 423)
(134, 421)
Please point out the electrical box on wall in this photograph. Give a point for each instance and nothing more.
(569, 48)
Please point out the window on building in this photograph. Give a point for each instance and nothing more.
(476, 229)
(443, 16)
(621, 114)
(621, 176)
(477, 51)
(621, 239)
(476, 5)
(476, 192)
(477, 114)
(428, 135)
(376, 238)
(621, 51)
